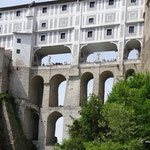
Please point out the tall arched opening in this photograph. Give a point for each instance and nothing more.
(55, 83)
(36, 93)
(84, 88)
(105, 84)
(132, 50)
(51, 139)
(31, 124)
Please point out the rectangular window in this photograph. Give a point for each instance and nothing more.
(109, 32)
(62, 36)
(133, 1)
(18, 40)
(43, 25)
(92, 4)
(131, 29)
(91, 20)
(64, 7)
(111, 2)
(0, 15)
(18, 13)
(18, 51)
(43, 37)
(90, 34)
(44, 10)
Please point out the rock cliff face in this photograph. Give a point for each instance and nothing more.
(146, 39)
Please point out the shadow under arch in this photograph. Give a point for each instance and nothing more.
(41, 52)
(103, 77)
(130, 46)
(129, 73)
(36, 93)
(51, 127)
(86, 50)
(85, 78)
(55, 81)
(31, 124)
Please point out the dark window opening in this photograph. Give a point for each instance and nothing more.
(18, 51)
(18, 40)
(133, 1)
(62, 35)
(131, 29)
(42, 37)
(44, 10)
(111, 2)
(43, 25)
(92, 4)
(109, 32)
(0, 15)
(91, 20)
(90, 34)
(18, 13)
(64, 7)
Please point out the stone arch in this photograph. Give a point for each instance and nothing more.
(55, 81)
(88, 49)
(85, 78)
(36, 93)
(31, 124)
(42, 52)
(103, 77)
(51, 127)
(129, 73)
(130, 46)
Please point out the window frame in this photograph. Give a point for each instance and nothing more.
(18, 13)
(109, 32)
(92, 4)
(44, 10)
(18, 51)
(111, 2)
(90, 34)
(43, 25)
(131, 29)
(18, 40)
(63, 36)
(64, 8)
(43, 37)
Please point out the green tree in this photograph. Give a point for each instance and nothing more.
(123, 123)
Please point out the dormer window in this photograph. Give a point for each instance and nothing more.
(43, 25)
(18, 13)
(64, 7)
(133, 1)
(92, 4)
(44, 10)
(91, 20)
(111, 2)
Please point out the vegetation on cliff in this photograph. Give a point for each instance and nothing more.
(20, 140)
(123, 123)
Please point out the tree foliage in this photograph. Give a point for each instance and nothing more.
(123, 123)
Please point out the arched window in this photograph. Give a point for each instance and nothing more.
(106, 84)
(86, 86)
(36, 93)
(56, 83)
